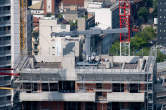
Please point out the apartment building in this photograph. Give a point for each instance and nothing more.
(9, 46)
(161, 22)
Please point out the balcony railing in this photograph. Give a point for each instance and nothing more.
(4, 2)
(2, 83)
(4, 22)
(5, 103)
(7, 52)
(5, 62)
(5, 92)
(4, 12)
(4, 42)
(5, 32)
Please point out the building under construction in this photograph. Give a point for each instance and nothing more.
(101, 82)
(69, 81)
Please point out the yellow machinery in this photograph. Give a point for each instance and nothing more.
(23, 8)
(6, 88)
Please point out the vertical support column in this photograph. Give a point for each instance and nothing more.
(88, 45)
(39, 87)
(101, 106)
(124, 14)
(142, 88)
(45, 7)
(126, 88)
(53, 6)
(83, 106)
(61, 106)
(120, 48)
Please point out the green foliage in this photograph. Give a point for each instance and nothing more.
(73, 25)
(142, 39)
(60, 16)
(155, 5)
(143, 52)
(140, 43)
(115, 50)
(160, 56)
(143, 14)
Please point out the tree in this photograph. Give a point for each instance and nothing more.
(140, 42)
(160, 56)
(143, 14)
(115, 49)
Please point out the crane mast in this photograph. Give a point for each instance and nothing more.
(23, 8)
(124, 14)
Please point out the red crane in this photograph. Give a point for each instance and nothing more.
(124, 14)
(6, 73)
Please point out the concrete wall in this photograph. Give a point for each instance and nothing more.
(125, 97)
(104, 20)
(56, 96)
(49, 45)
(15, 31)
(29, 33)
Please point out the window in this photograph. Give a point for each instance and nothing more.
(67, 86)
(118, 87)
(98, 85)
(134, 88)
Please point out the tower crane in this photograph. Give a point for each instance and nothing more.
(23, 11)
(124, 17)
(88, 34)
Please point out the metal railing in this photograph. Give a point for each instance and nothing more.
(4, 12)
(4, 42)
(5, 62)
(4, 22)
(7, 52)
(5, 32)
(2, 83)
(5, 103)
(5, 92)
(4, 2)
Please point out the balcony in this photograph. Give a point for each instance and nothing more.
(4, 43)
(56, 96)
(5, 53)
(3, 83)
(4, 3)
(125, 97)
(5, 23)
(5, 63)
(5, 13)
(4, 93)
(5, 33)
(5, 103)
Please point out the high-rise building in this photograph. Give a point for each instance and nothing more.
(10, 38)
(9, 46)
(162, 22)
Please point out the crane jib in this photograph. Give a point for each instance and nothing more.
(90, 32)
